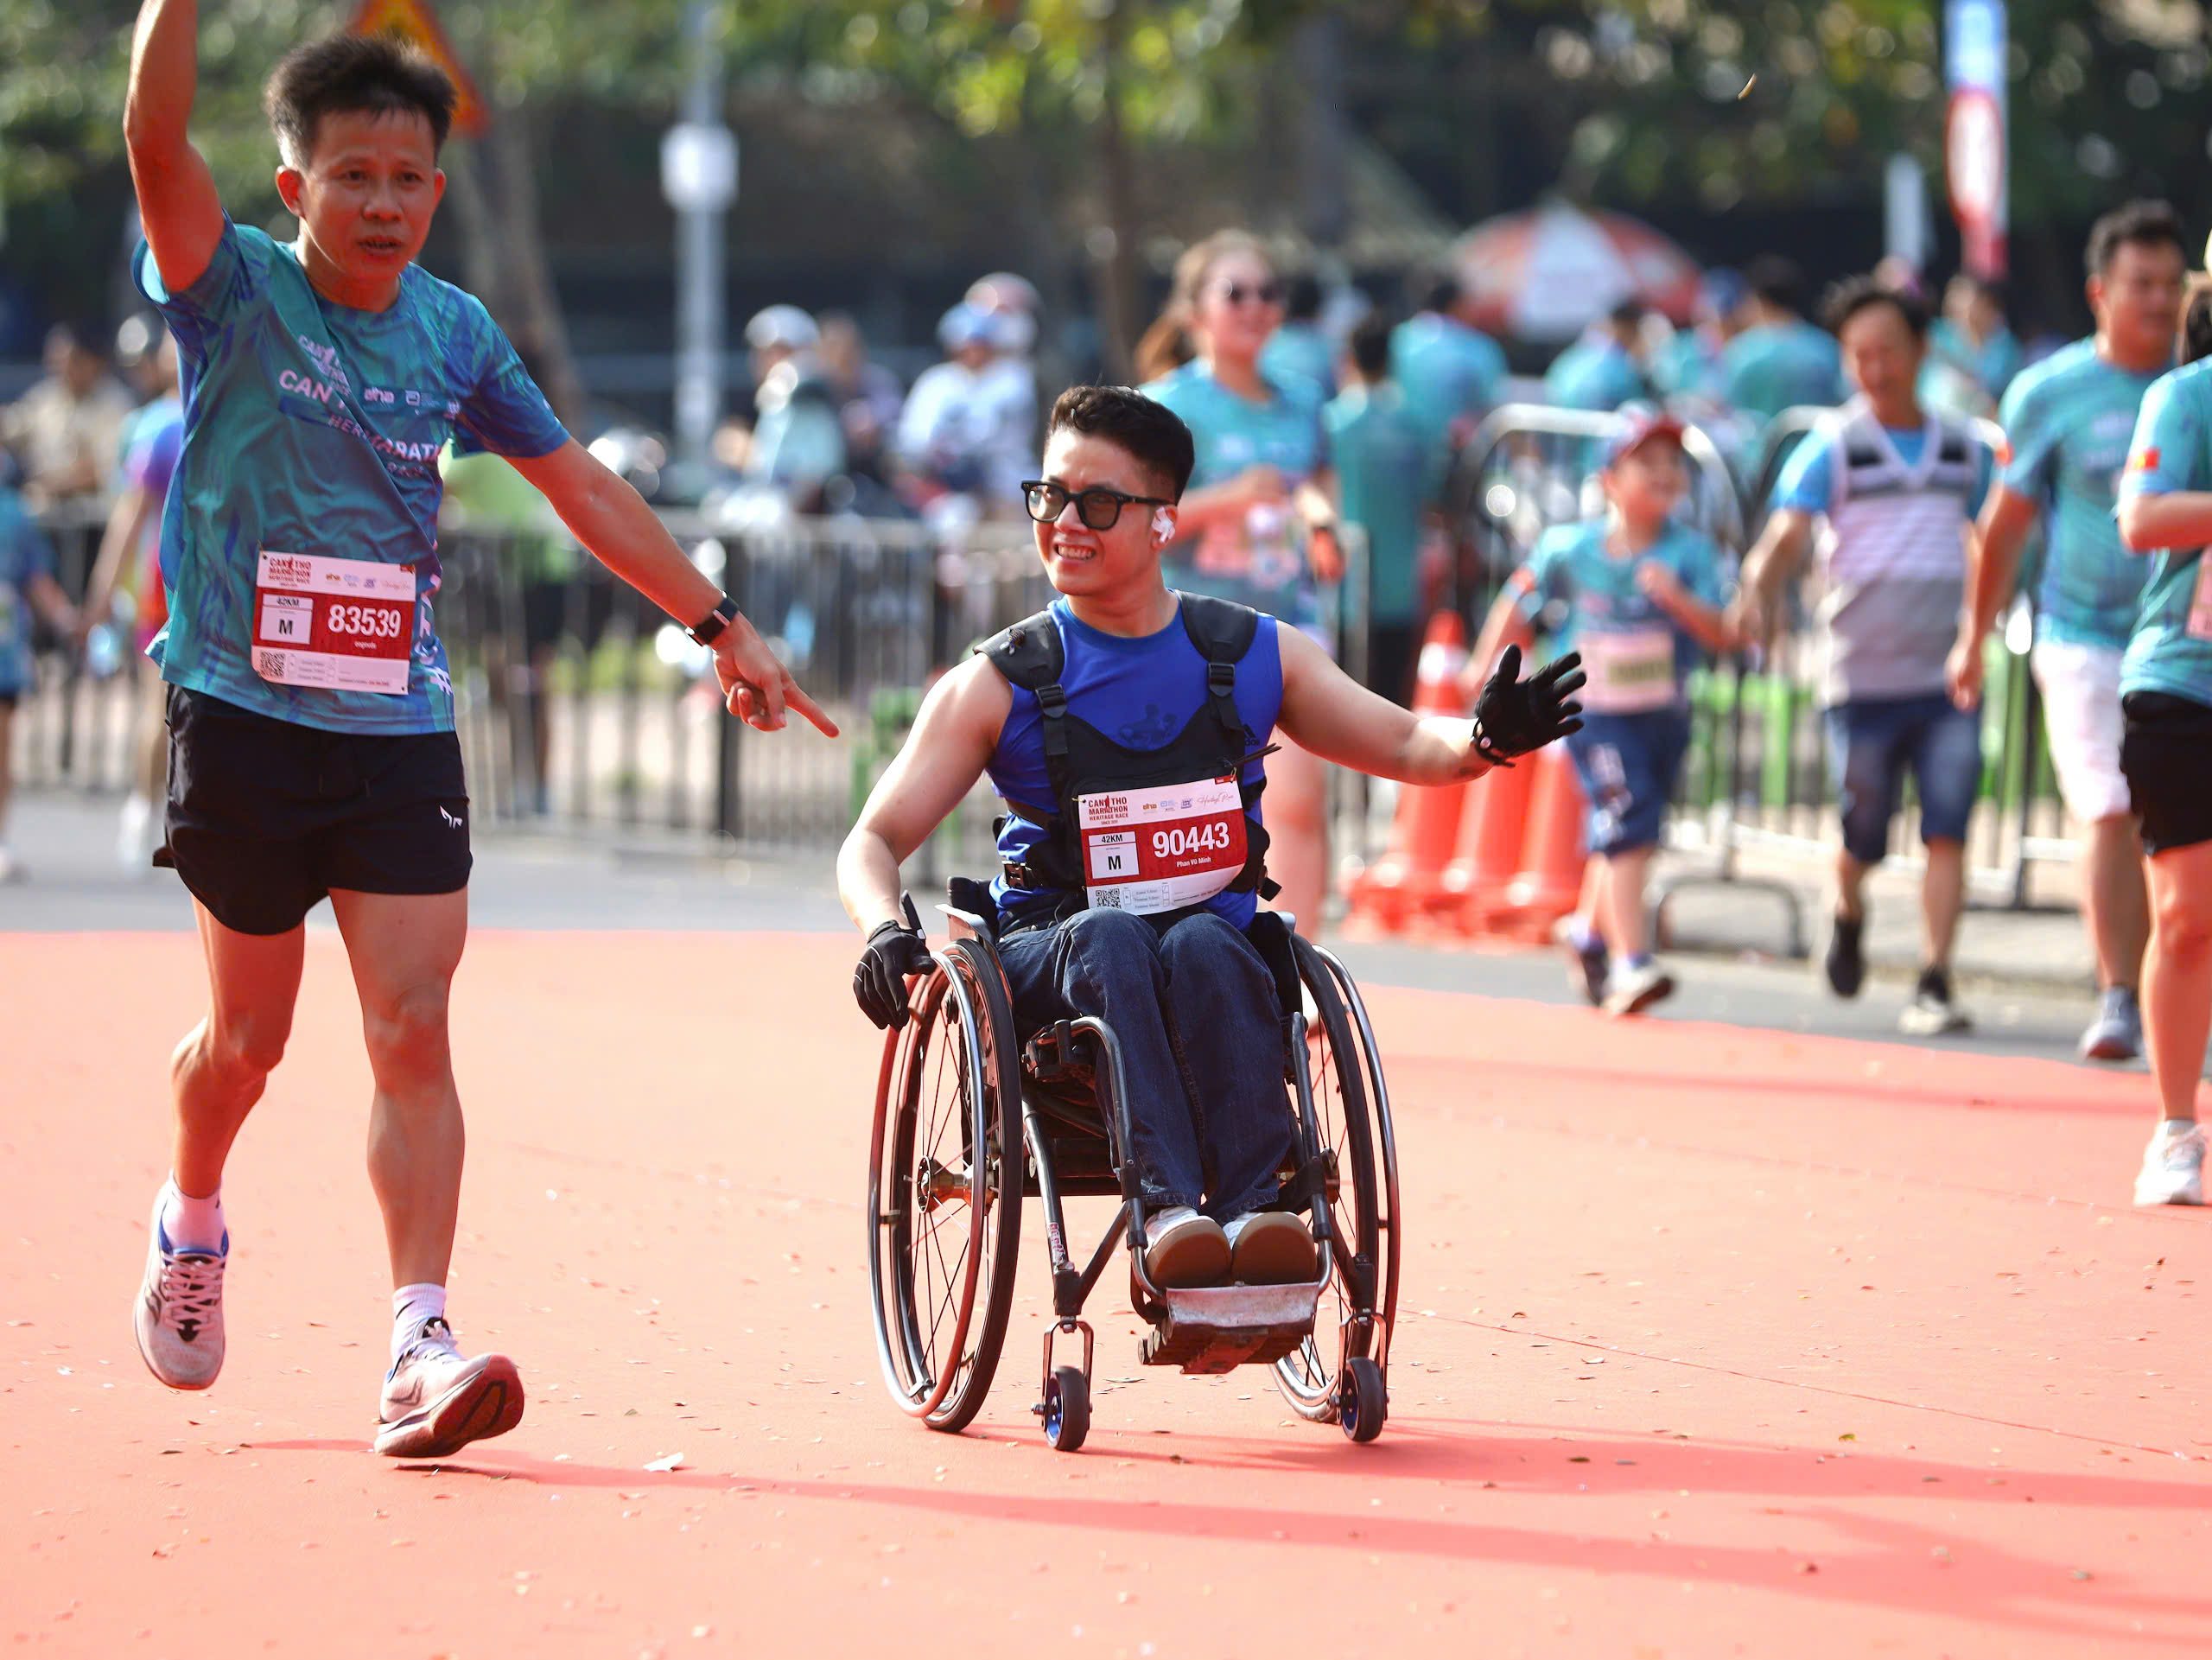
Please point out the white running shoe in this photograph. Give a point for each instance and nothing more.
(1632, 991)
(436, 1400)
(2173, 1167)
(178, 1319)
(2117, 1032)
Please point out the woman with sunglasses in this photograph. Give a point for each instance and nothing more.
(1258, 525)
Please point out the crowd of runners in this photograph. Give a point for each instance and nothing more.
(292, 486)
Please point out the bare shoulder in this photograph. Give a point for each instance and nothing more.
(971, 701)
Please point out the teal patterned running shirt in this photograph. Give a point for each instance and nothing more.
(2171, 454)
(313, 429)
(2069, 420)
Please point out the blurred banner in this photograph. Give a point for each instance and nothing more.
(1974, 129)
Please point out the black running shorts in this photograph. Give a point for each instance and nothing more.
(2166, 754)
(265, 818)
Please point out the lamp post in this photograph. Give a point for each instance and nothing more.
(698, 170)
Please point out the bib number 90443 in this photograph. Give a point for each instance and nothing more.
(1164, 847)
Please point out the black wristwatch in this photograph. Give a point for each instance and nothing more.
(715, 624)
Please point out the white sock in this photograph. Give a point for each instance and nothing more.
(2170, 1128)
(411, 1306)
(193, 1224)
(1160, 1220)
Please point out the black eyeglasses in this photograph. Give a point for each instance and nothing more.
(1099, 508)
(1266, 294)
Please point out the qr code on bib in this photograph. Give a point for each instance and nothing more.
(269, 664)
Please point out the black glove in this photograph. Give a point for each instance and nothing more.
(895, 950)
(1514, 715)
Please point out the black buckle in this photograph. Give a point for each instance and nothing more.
(1221, 677)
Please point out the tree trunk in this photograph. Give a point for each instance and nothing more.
(1115, 253)
(535, 323)
(1318, 48)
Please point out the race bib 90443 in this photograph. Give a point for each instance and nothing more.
(342, 624)
(1161, 849)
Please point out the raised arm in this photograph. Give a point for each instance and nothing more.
(951, 742)
(178, 205)
(607, 515)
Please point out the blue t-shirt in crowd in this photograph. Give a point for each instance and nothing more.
(1449, 372)
(2068, 422)
(313, 429)
(1300, 351)
(1596, 372)
(2172, 452)
(1140, 693)
(1771, 367)
(25, 555)
(1593, 603)
(1807, 481)
(1387, 473)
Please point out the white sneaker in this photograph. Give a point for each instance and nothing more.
(1184, 1248)
(2173, 1167)
(178, 1319)
(436, 1400)
(1632, 991)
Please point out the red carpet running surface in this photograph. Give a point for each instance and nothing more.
(1714, 1342)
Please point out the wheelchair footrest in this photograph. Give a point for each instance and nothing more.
(1218, 1328)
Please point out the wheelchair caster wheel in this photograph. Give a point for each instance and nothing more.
(1362, 1402)
(1067, 1408)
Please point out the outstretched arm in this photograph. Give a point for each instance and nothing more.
(607, 515)
(1328, 713)
(177, 201)
(951, 742)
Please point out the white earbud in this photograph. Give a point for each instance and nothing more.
(1163, 523)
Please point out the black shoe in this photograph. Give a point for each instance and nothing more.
(1846, 963)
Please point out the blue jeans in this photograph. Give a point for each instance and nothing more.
(1628, 765)
(1193, 1009)
(1870, 743)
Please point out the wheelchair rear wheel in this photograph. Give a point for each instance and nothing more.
(944, 1190)
(1352, 1111)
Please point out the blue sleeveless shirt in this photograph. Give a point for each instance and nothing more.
(1139, 692)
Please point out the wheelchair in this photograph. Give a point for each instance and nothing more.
(972, 1118)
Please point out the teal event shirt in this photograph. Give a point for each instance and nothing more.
(313, 429)
(1261, 563)
(1775, 367)
(1387, 473)
(2069, 420)
(1590, 601)
(2171, 453)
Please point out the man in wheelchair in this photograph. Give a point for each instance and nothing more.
(1126, 728)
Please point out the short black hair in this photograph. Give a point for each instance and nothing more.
(1629, 314)
(1777, 279)
(375, 75)
(2148, 223)
(1439, 293)
(1855, 294)
(1368, 343)
(1301, 297)
(1148, 429)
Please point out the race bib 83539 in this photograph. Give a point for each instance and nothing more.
(342, 624)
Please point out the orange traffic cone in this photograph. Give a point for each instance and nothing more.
(1488, 853)
(1402, 881)
(1550, 879)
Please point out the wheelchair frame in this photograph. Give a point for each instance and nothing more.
(1059, 1098)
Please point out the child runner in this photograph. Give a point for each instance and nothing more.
(310, 709)
(1638, 594)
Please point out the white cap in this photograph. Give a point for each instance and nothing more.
(781, 326)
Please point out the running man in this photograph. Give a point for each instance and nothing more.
(2165, 687)
(310, 709)
(1896, 491)
(2068, 421)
